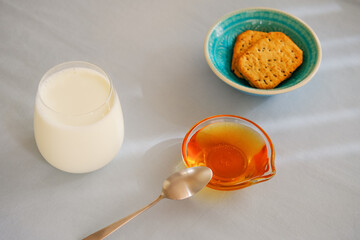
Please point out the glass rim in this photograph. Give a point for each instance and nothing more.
(68, 65)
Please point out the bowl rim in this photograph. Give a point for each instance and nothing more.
(257, 91)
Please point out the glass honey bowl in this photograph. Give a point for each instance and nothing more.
(237, 150)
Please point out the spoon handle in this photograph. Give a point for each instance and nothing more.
(106, 231)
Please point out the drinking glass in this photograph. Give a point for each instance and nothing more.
(78, 120)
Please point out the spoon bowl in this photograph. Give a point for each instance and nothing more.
(186, 183)
(180, 185)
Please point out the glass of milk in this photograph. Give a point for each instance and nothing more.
(78, 121)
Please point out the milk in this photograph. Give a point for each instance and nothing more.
(78, 121)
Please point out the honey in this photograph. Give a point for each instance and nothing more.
(237, 155)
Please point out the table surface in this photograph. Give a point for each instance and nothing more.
(153, 51)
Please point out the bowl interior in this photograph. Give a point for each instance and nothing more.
(200, 142)
(221, 38)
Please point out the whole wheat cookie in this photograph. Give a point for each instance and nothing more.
(242, 43)
(270, 60)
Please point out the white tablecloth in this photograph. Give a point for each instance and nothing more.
(153, 51)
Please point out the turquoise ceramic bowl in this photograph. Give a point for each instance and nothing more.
(220, 40)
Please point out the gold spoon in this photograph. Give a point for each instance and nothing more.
(178, 186)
